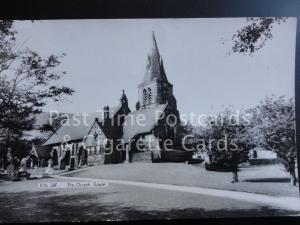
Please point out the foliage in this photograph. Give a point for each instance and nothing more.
(271, 127)
(254, 35)
(227, 139)
(27, 83)
(187, 130)
(275, 124)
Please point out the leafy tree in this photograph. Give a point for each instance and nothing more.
(26, 84)
(55, 123)
(186, 129)
(253, 36)
(248, 40)
(275, 125)
(227, 141)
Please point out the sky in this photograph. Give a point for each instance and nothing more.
(105, 56)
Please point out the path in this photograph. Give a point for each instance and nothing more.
(288, 203)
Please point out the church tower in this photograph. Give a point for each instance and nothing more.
(155, 88)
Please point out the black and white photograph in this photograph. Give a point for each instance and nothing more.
(147, 119)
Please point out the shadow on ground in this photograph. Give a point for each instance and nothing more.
(50, 207)
(273, 180)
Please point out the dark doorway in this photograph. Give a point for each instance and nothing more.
(67, 158)
(85, 156)
(80, 153)
(54, 157)
(72, 164)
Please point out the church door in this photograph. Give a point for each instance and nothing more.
(67, 158)
(55, 157)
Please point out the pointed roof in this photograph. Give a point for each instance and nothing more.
(154, 68)
(154, 46)
(78, 126)
(134, 126)
(123, 96)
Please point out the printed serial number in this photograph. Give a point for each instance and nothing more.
(86, 184)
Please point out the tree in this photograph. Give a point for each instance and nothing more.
(227, 141)
(187, 135)
(253, 36)
(275, 119)
(27, 83)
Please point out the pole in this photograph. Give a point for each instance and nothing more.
(127, 154)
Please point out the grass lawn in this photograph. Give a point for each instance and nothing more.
(268, 179)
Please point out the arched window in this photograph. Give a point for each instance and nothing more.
(145, 97)
(149, 96)
(95, 135)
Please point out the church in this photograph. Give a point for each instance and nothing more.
(119, 134)
(158, 106)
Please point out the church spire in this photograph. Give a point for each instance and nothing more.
(153, 68)
(155, 88)
(155, 51)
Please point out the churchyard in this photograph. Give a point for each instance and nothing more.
(119, 201)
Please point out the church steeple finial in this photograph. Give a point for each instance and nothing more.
(153, 68)
(123, 98)
(154, 47)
